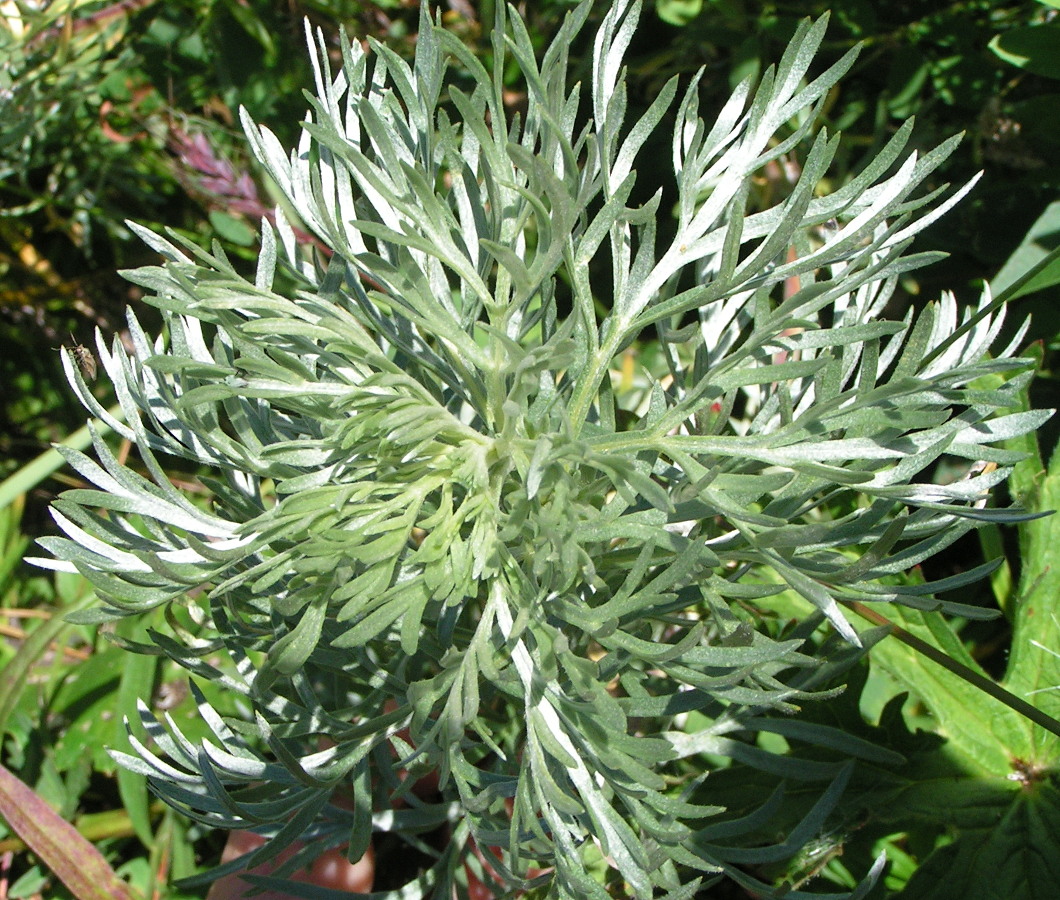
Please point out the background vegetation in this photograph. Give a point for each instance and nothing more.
(127, 110)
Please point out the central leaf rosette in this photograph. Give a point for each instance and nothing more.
(422, 510)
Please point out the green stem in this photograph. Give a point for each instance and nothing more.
(589, 384)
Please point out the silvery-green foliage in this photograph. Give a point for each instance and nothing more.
(432, 510)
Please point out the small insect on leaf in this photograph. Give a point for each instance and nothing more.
(86, 359)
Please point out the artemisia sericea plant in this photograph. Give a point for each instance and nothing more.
(443, 540)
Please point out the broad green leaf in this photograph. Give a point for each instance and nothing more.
(1016, 858)
(983, 734)
(229, 227)
(86, 703)
(1034, 665)
(679, 12)
(1035, 48)
(1035, 247)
